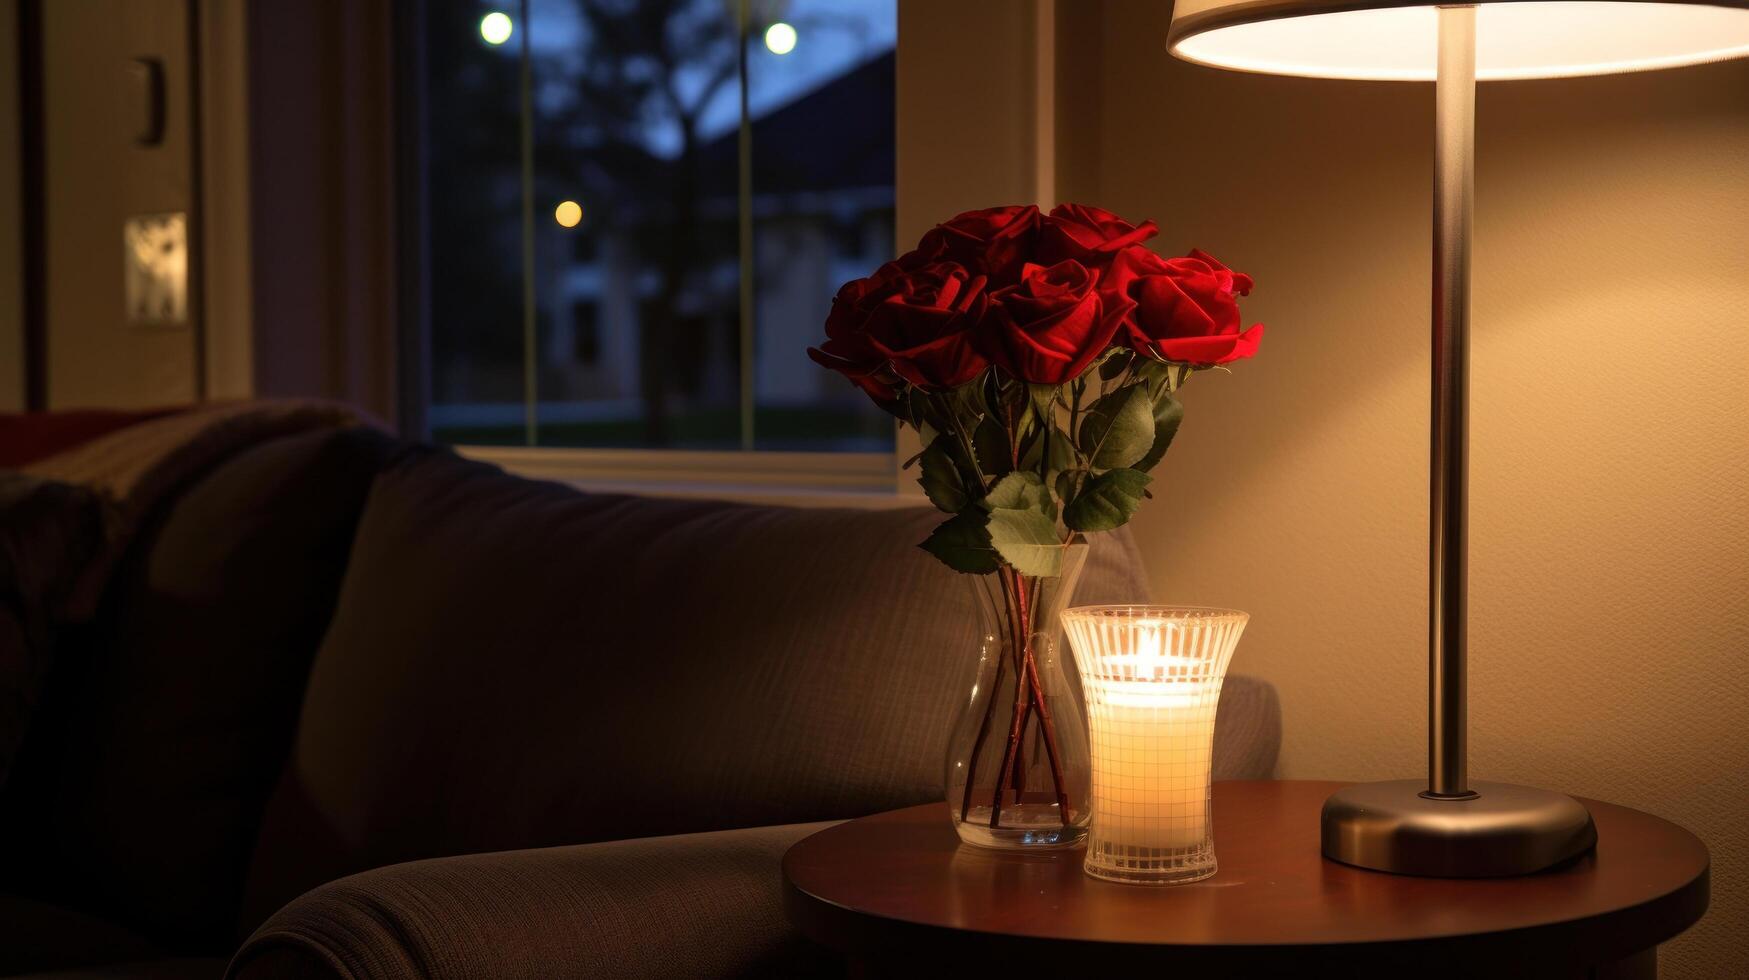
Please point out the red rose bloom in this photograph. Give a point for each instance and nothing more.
(1186, 310)
(847, 349)
(1089, 235)
(924, 327)
(1048, 327)
(911, 325)
(995, 241)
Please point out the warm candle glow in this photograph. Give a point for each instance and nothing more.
(1152, 678)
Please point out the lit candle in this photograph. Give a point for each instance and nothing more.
(1152, 679)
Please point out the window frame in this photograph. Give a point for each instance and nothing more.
(805, 478)
(822, 478)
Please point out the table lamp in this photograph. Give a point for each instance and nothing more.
(1448, 826)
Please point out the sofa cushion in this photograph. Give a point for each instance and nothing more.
(163, 727)
(30, 436)
(49, 531)
(694, 905)
(516, 664)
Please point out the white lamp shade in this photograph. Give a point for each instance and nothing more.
(1397, 40)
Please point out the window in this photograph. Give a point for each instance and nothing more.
(637, 211)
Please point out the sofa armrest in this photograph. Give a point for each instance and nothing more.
(1247, 729)
(690, 905)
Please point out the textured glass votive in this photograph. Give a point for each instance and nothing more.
(1152, 679)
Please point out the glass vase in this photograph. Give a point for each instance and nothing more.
(1017, 760)
(1152, 680)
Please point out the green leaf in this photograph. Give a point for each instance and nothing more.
(916, 409)
(962, 543)
(1025, 429)
(1119, 428)
(1048, 446)
(1027, 539)
(1066, 482)
(940, 477)
(1020, 490)
(1157, 374)
(1032, 450)
(1113, 364)
(1054, 452)
(969, 398)
(1044, 399)
(1168, 414)
(1107, 501)
(1062, 452)
(991, 445)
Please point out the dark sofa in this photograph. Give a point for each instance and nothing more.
(373, 710)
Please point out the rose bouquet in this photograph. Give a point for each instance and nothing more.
(1038, 357)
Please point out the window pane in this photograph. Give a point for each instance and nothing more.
(638, 205)
(821, 99)
(473, 226)
(640, 299)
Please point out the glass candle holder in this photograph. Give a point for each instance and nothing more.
(1152, 680)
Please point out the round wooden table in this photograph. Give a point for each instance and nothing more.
(897, 892)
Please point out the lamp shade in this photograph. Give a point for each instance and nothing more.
(1397, 40)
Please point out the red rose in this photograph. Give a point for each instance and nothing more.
(995, 241)
(924, 326)
(847, 349)
(912, 325)
(1089, 235)
(1048, 327)
(1186, 310)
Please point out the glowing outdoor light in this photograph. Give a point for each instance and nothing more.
(780, 38)
(568, 213)
(496, 27)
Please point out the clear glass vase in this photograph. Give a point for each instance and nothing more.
(1017, 759)
(1152, 678)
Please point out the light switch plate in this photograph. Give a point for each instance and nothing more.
(155, 268)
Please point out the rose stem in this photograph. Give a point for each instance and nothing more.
(1050, 732)
(1018, 626)
(1025, 716)
(1007, 616)
(1019, 647)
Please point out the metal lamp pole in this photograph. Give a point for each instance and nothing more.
(1446, 826)
(1454, 186)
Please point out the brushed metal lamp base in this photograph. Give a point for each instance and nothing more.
(1500, 830)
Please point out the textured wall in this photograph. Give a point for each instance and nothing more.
(1610, 553)
(11, 218)
(96, 177)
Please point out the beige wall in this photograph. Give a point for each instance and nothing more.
(95, 177)
(966, 133)
(1610, 555)
(950, 157)
(296, 144)
(11, 220)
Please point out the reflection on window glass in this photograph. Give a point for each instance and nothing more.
(665, 136)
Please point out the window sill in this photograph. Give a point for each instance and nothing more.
(797, 479)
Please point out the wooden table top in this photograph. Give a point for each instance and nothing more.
(902, 881)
